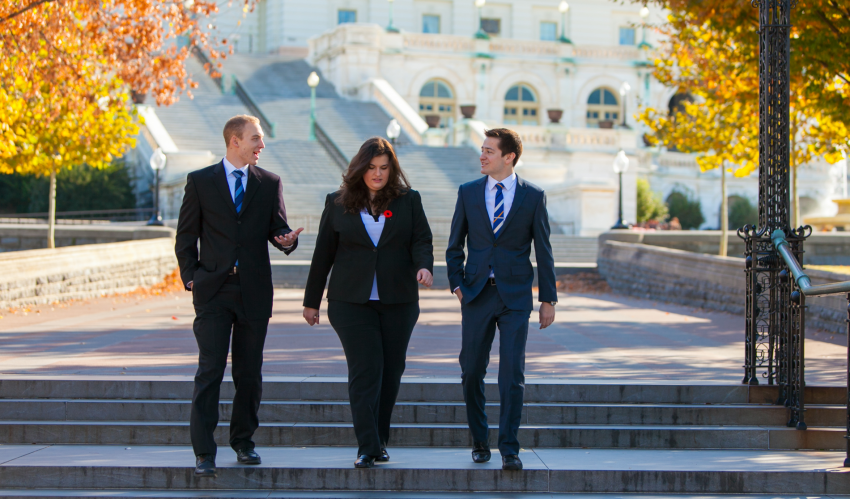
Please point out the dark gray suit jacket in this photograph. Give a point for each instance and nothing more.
(509, 254)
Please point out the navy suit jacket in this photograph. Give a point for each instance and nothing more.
(509, 254)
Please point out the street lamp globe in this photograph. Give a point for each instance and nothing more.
(480, 3)
(393, 130)
(621, 162)
(313, 80)
(624, 88)
(563, 7)
(158, 160)
(644, 12)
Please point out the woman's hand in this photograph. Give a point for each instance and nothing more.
(311, 315)
(425, 278)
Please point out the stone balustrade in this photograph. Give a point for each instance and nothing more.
(44, 276)
(18, 237)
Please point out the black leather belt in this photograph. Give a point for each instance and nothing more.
(491, 281)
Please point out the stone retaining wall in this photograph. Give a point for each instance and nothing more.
(77, 272)
(705, 281)
(20, 237)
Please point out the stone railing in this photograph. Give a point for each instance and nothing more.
(439, 43)
(50, 275)
(698, 280)
(555, 137)
(607, 52)
(15, 237)
(394, 104)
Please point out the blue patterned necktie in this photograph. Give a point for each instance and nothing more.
(499, 211)
(239, 193)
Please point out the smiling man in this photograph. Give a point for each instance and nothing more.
(235, 209)
(497, 217)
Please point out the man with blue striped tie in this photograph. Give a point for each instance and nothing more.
(497, 217)
(235, 209)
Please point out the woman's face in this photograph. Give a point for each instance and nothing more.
(378, 174)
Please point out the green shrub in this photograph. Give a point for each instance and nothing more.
(650, 206)
(742, 212)
(682, 205)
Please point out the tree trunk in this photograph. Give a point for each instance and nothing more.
(724, 212)
(51, 210)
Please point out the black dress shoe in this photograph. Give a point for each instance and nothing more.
(248, 457)
(480, 452)
(205, 465)
(384, 457)
(511, 462)
(364, 461)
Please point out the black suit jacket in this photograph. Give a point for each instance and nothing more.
(208, 214)
(405, 247)
(509, 254)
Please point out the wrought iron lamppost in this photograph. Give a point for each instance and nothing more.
(564, 8)
(157, 163)
(393, 130)
(313, 82)
(480, 34)
(624, 92)
(644, 14)
(390, 27)
(621, 164)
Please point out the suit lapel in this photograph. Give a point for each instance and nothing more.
(220, 181)
(389, 224)
(479, 201)
(519, 195)
(251, 188)
(358, 220)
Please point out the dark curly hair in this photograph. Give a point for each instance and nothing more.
(353, 193)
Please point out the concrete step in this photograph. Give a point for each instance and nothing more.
(284, 494)
(413, 389)
(429, 470)
(433, 435)
(423, 412)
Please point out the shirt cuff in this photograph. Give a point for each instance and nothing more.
(457, 288)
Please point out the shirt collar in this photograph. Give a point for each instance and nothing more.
(229, 168)
(509, 182)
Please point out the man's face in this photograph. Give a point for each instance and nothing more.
(492, 161)
(248, 148)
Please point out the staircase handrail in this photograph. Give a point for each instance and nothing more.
(806, 287)
(803, 281)
(268, 126)
(201, 56)
(332, 149)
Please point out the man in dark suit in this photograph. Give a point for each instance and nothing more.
(235, 209)
(497, 217)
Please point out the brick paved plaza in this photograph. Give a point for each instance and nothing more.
(602, 336)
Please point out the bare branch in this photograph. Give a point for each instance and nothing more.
(28, 7)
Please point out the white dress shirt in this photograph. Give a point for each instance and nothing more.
(231, 178)
(507, 194)
(374, 229)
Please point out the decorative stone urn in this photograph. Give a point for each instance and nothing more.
(433, 120)
(138, 98)
(555, 115)
(606, 124)
(468, 111)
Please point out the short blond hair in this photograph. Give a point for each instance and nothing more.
(236, 125)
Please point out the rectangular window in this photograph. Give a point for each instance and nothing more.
(491, 26)
(346, 16)
(430, 23)
(548, 31)
(627, 36)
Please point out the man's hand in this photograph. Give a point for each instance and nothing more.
(459, 295)
(547, 314)
(425, 278)
(311, 315)
(289, 239)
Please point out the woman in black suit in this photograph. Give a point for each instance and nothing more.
(375, 235)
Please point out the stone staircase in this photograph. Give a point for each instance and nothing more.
(130, 434)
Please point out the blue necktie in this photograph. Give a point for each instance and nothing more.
(239, 193)
(499, 211)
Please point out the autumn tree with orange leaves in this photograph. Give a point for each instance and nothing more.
(67, 68)
(718, 120)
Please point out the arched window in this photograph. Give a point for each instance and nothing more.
(521, 106)
(437, 98)
(602, 106)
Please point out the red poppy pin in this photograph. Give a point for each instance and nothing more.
(388, 214)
